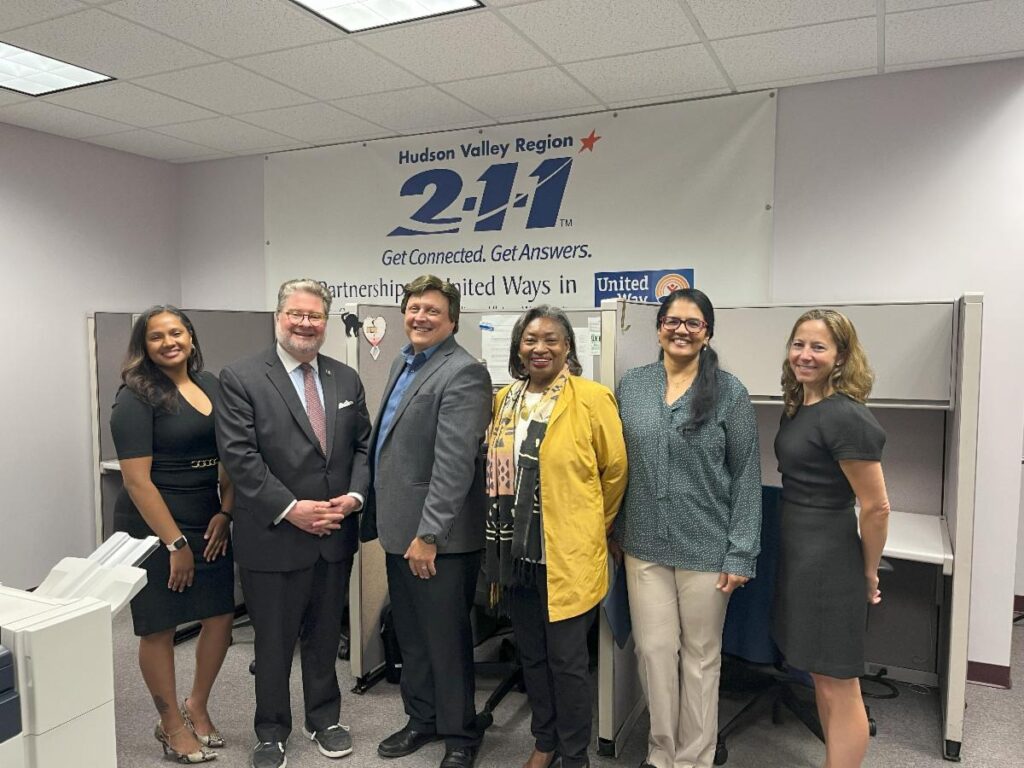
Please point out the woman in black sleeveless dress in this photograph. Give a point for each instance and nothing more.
(829, 448)
(162, 424)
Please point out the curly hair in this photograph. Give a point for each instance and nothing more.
(516, 368)
(851, 376)
(144, 377)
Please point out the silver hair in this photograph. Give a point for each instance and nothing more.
(305, 285)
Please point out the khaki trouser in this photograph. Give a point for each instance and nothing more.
(677, 621)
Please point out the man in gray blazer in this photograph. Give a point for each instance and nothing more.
(293, 431)
(427, 506)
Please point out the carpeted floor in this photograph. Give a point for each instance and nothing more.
(908, 727)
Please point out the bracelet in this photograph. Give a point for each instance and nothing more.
(226, 513)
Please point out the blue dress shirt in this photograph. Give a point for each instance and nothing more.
(414, 361)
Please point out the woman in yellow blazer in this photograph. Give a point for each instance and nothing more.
(556, 473)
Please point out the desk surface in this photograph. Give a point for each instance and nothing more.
(920, 539)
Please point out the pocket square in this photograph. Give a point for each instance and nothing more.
(344, 404)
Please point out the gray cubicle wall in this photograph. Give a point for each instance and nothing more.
(927, 359)
(912, 407)
(224, 336)
(369, 582)
(368, 589)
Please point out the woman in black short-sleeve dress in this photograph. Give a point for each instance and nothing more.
(162, 424)
(829, 448)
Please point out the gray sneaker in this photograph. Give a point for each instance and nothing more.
(332, 741)
(269, 754)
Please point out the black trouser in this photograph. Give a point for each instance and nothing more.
(434, 634)
(288, 607)
(555, 668)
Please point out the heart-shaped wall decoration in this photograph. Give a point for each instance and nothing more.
(374, 329)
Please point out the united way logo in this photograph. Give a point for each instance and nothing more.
(641, 285)
(673, 281)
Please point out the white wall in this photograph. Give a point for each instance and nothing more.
(910, 186)
(220, 229)
(900, 186)
(84, 228)
(1019, 589)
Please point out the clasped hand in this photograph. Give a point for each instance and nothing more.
(321, 517)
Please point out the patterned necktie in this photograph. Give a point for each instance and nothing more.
(314, 408)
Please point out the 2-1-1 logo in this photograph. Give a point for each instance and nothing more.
(434, 216)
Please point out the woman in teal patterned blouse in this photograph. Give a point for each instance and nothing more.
(690, 524)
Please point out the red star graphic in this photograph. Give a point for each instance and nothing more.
(588, 142)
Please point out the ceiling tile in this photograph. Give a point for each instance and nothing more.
(203, 159)
(522, 93)
(332, 70)
(414, 110)
(315, 123)
(665, 73)
(106, 44)
(571, 30)
(950, 62)
(53, 119)
(652, 101)
(895, 6)
(553, 113)
(18, 13)
(456, 47)
(129, 104)
(720, 19)
(229, 28)
(868, 72)
(954, 32)
(804, 52)
(11, 97)
(155, 145)
(224, 133)
(225, 88)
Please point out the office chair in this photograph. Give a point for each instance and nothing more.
(488, 623)
(746, 640)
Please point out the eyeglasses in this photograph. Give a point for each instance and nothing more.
(315, 318)
(692, 323)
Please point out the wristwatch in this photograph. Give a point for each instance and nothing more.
(428, 538)
(179, 543)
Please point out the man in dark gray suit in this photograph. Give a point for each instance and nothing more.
(293, 430)
(428, 507)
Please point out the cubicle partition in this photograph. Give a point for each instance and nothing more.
(484, 335)
(224, 336)
(926, 357)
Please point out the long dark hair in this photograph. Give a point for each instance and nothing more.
(516, 368)
(705, 386)
(144, 377)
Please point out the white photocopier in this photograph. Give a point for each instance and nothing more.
(60, 640)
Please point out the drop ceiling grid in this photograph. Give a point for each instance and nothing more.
(225, 77)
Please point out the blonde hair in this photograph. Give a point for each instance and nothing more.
(851, 376)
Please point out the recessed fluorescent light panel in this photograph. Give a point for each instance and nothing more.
(35, 75)
(357, 15)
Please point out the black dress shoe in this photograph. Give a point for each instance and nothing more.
(404, 742)
(459, 757)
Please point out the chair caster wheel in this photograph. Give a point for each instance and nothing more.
(252, 667)
(872, 727)
(721, 754)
